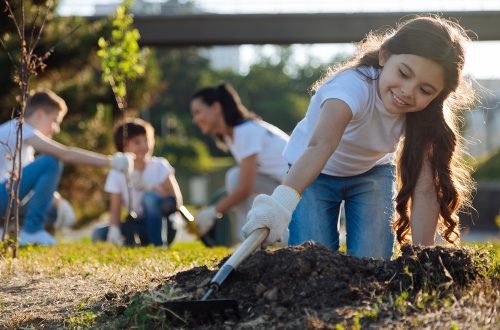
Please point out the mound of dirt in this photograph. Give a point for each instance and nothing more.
(308, 286)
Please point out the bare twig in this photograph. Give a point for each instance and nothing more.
(28, 64)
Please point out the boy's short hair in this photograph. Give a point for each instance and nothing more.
(135, 127)
(44, 100)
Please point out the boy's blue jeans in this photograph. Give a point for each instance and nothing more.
(148, 226)
(42, 177)
(369, 209)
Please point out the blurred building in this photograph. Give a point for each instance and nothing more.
(482, 130)
(220, 57)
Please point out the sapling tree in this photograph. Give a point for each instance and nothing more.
(27, 63)
(122, 61)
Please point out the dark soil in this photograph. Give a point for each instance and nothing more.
(309, 286)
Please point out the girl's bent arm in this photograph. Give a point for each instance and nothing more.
(67, 154)
(334, 117)
(248, 171)
(115, 207)
(425, 208)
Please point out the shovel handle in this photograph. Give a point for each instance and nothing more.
(185, 213)
(249, 245)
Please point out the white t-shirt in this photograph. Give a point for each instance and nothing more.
(8, 146)
(263, 139)
(370, 138)
(156, 172)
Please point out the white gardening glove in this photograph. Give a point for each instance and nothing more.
(114, 235)
(273, 212)
(123, 162)
(205, 219)
(65, 214)
(138, 182)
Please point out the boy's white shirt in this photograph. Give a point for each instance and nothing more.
(256, 137)
(371, 137)
(156, 171)
(8, 132)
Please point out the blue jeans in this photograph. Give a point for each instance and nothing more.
(42, 177)
(148, 226)
(369, 208)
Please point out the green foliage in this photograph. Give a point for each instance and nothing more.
(84, 320)
(273, 88)
(73, 72)
(121, 58)
(401, 302)
(488, 169)
(183, 70)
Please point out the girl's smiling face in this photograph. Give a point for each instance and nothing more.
(207, 117)
(408, 83)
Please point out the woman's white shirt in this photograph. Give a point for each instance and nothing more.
(256, 137)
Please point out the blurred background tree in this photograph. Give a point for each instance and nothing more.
(274, 88)
(73, 72)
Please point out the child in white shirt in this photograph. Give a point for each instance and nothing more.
(151, 194)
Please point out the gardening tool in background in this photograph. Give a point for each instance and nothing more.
(192, 228)
(189, 219)
(212, 307)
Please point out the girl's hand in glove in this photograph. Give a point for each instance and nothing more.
(273, 212)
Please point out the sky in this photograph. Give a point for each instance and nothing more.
(481, 57)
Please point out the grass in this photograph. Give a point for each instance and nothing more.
(84, 285)
(78, 284)
(94, 258)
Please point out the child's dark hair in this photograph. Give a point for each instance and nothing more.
(432, 133)
(233, 110)
(44, 100)
(134, 127)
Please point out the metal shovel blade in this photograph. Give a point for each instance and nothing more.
(204, 309)
(208, 308)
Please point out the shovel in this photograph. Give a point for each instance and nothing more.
(210, 307)
(191, 226)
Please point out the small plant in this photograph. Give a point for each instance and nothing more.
(122, 60)
(85, 320)
(401, 302)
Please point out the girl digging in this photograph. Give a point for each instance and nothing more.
(403, 86)
(256, 145)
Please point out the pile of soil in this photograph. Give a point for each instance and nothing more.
(308, 286)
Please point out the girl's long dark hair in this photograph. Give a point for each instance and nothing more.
(432, 133)
(233, 110)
